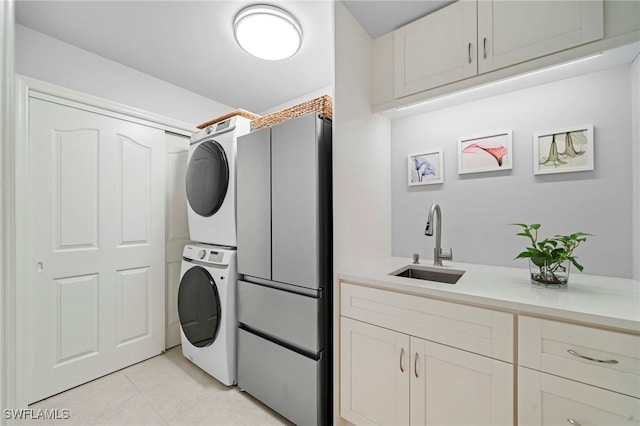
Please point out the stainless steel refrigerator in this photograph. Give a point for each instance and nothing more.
(284, 235)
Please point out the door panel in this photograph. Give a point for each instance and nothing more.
(75, 309)
(294, 161)
(253, 202)
(545, 399)
(437, 49)
(134, 177)
(374, 374)
(481, 387)
(133, 294)
(76, 189)
(512, 32)
(97, 219)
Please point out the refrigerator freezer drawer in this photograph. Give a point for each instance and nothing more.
(293, 318)
(287, 382)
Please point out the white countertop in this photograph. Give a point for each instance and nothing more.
(602, 301)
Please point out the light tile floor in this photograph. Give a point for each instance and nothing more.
(165, 390)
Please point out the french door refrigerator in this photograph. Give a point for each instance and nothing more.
(285, 261)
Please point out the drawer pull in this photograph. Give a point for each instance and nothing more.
(415, 366)
(469, 52)
(485, 47)
(604, 361)
(401, 358)
(573, 422)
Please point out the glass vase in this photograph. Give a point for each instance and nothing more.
(549, 274)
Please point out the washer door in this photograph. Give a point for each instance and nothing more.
(207, 178)
(199, 307)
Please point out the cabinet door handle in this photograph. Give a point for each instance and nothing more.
(484, 45)
(573, 422)
(401, 359)
(415, 365)
(604, 361)
(469, 53)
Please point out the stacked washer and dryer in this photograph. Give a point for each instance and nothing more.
(207, 291)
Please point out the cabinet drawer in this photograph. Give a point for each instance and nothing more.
(604, 358)
(544, 399)
(478, 330)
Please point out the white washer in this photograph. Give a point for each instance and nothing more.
(207, 310)
(211, 182)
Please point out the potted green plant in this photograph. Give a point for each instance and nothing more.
(550, 259)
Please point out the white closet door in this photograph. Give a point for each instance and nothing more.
(97, 212)
(177, 227)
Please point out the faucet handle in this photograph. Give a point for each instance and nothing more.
(446, 256)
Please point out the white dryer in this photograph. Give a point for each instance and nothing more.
(211, 182)
(207, 310)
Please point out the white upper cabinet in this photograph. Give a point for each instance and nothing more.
(512, 32)
(437, 49)
(472, 37)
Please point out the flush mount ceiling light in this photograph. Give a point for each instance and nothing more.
(267, 32)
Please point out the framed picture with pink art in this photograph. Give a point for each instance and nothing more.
(486, 153)
(563, 150)
(425, 168)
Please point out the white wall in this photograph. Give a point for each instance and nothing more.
(361, 150)
(635, 122)
(45, 58)
(361, 179)
(479, 208)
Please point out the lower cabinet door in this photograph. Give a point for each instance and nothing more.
(374, 374)
(453, 387)
(544, 399)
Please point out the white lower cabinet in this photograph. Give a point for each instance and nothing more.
(454, 387)
(391, 378)
(577, 375)
(374, 374)
(413, 360)
(544, 399)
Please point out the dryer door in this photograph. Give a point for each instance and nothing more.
(199, 307)
(207, 178)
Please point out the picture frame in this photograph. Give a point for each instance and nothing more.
(425, 168)
(486, 153)
(565, 150)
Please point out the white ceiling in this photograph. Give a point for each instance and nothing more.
(190, 43)
(378, 17)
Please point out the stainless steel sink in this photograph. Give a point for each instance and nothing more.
(438, 274)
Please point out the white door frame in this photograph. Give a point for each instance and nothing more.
(18, 328)
(8, 307)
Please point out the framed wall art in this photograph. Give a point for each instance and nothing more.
(486, 153)
(563, 150)
(425, 168)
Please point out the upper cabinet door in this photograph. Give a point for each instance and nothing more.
(294, 197)
(437, 49)
(510, 32)
(253, 204)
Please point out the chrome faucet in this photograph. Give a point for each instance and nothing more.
(438, 255)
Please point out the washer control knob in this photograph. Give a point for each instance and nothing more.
(209, 130)
(202, 254)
